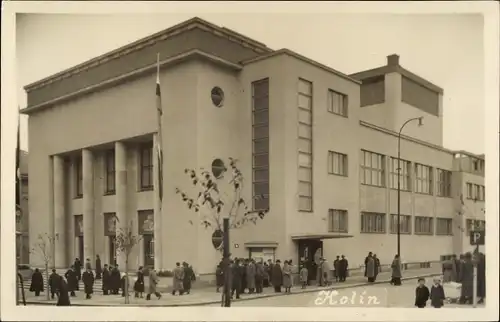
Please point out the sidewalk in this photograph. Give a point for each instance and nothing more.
(207, 296)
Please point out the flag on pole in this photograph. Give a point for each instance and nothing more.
(159, 136)
(18, 167)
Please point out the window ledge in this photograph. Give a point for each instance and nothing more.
(372, 185)
(146, 189)
(109, 193)
(78, 197)
(401, 189)
(425, 234)
(401, 233)
(338, 114)
(424, 194)
(373, 232)
(338, 175)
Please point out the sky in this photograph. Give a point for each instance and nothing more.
(446, 49)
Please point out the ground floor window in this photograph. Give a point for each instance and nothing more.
(404, 224)
(424, 225)
(373, 222)
(444, 226)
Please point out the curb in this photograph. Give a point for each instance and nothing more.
(204, 303)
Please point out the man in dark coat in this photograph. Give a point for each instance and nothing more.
(244, 276)
(277, 279)
(219, 277)
(62, 292)
(106, 277)
(456, 264)
(188, 278)
(77, 267)
(466, 278)
(481, 278)
(88, 283)
(98, 267)
(269, 270)
(259, 276)
(236, 278)
(36, 282)
(367, 258)
(53, 283)
(71, 281)
(115, 280)
(377, 266)
(343, 267)
(336, 270)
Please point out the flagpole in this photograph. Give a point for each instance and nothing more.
(18, 204)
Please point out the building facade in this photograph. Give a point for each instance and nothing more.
(317, 147)
(22, 217)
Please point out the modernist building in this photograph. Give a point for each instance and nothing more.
(319, 145)
(22, 217)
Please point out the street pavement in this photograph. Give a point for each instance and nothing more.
(208, 296)
(379, 295)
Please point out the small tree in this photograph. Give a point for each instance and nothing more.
(126, 240)
(213, 204)
(44, 247)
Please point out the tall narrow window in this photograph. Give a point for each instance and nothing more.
(372, 169)
(146, 166)
(305, 150)
(337, 163)
(443, 183)
(404, 173)
(260, 144)
(109, 159)
(337, 103)
(423, 179)
(78, 177)
(337, 221)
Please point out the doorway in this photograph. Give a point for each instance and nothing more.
(149, 250)
(112, 250)
(310, 251)
(80, 249)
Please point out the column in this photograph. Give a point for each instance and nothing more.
(121, 193)
(88, 204)
(157, 207)
(59, 214)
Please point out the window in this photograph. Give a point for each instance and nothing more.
(337, 103)
(337, 221)
(475, 192)
(423, 225)
(444, 226)
(260, 144)
(337, 163)
(305, 117)
(217, 96)
(443, 183)
(423, 179)
(474, 225)
(404, 224)
(109, 159)
(372, 169)
(372, 223)
(405, 182)
(78, 177)
(218, 168)
(146, 162)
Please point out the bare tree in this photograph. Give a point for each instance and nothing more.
(212, 203)
(126, 240)
(44, 247)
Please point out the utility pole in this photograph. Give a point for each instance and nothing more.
(227, 267)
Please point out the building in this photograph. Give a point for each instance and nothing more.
(319, 145)
(22, 218)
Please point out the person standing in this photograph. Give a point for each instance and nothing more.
(72, 281)
(98, 267)
(377, 266)
(421, 294)
(366, 261)
(325, 268)
(277, 276)
(343, 268)
(106, 278)
(153, 282)
(287, 277)
(370, 269)
(36, 282)
(188, 277)
(250, 276)
(481, 278)
(88, 283)
(77, 267)
(259, 277)
(139, 284)
(219, 277)
(115, 280)
(437, 294)
(177, 279)
(303, 276)
(336, 268)
(53, 283)
(269, 271)
(467, 279)
(243, 268)
(236, 278)
(458, 265)
(319, 272)
(396, 271)
(88, 264)
(62, 292)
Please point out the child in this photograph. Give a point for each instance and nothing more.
(421, 294)
(437, 294)
(303, 276)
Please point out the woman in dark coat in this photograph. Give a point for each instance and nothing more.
(71, 281)
(219, 277)
(277, 276)
(188, 277)
(98, 267)
(115, 280)
(62, 293)
(396, 271)
(139, 283)
(105, 280)
(88, 283)
(36, 282)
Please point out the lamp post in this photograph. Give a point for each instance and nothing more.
(420, 123)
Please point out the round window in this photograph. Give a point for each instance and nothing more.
(217, 96)
(218, 168)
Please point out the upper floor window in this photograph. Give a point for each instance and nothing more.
(109, 159)
(146, 167)
(404, 174)
(337, 221)
(443, 183)
(404, 224)
(475, 192)
(423, 179)
(444, 226)
(78, 177)
(373, 222)
(337, 163)
(337, 103)
(372, 169)
(424, 225)
(474, 225)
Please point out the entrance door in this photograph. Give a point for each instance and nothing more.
(112, 250)
(310, 250)
(80, 249)
(149, 250)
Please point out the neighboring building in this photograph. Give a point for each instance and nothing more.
(318, 144)
(22, 218)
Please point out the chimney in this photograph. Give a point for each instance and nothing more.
(393, 60)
